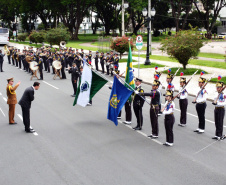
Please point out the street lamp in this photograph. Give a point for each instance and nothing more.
(84, 24)
(16, 27)
(148, 20)
(29, 24)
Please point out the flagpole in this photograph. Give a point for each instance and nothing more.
(93, 70)
(131, 88)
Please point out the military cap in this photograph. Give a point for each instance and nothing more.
(10, 79)
(156, 82)
(203, 80)
(108, 52)
(97, 51)
(170, 76)
(169, 93)
(220, 84)
(183, 79)
(116, 53)
(138, 79)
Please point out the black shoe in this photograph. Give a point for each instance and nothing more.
(196, 130)
(30, 131)
(135, 127)
(13, 123)
(138, 128)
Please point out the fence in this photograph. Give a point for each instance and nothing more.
(104, 44)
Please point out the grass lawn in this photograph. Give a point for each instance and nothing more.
(188, 71)
(125, 60)
(148, 66)
(27, 43)
(212, 55)
(214, 80)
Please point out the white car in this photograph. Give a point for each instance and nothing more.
(222, 35)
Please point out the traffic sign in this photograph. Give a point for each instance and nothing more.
(139, 42)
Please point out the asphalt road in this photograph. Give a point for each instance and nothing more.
(77, 146)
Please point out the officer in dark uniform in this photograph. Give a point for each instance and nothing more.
(219, 112)
(111, 60)
(96, 59)
(63, 63)
(1, 61)
(89, 57)
(154, 108)
(82, 53)
(107, 63)
(40, 65)
(116, 62)
(138, 103)
(102, 59)
(74, 77)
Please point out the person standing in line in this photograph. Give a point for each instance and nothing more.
(25, 103)
(1, 61)
(74, 77)
(12, 100)
(169, 121)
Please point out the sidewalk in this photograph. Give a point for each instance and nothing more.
(148, 74)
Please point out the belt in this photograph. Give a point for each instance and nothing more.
(219, 107)
(169, 114)
(155, 105)
(201, 102)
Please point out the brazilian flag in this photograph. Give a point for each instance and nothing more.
(129, 71)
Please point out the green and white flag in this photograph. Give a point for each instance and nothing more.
(89, 84)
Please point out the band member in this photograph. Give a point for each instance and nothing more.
(1, 61)
(63, 63)
(219, 112)
(201, 106)
(107, 62)
(47, 61)
(102, 59)
(40, 64)
(96, 59)
(154, 109)
(82, 53)
(183, 102)
(116, 62)
(89, 57)
(25, 103)
(15, 57)
(138, 103)
(12, 55)
(19, 58)
(111, 60)
(74, 77)
(12, 100)
(8, 55)
(169, 121)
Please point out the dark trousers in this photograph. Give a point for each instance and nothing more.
(16, 62)
(128, 111)
(154, 120)
(183, 103)
(107, 68)
(102, 66)
(41, 74)
(9, 59)
(26, 118)
(74, 86)
(63, 73)
(169, 121)
(120, 113)
(96, 64)
(219, 121)
(13, 61)
(45, 64)
(20, 63)
(138, 113)
(200, 108)
(1, 66)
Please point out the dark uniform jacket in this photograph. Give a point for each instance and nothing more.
(155, 96)
(137, 100)
(74, 73)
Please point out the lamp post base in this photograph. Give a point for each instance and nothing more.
(147, 62)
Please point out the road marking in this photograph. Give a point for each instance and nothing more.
(34, 133)
(4, 99)
(2, 112)
(206, 147)
(0, 94)
(20, 116)
(142, 133)
(50, 85)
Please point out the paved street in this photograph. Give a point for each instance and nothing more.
(79, 146)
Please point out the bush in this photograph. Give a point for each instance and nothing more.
(183, 46)
(156, 33)
(56, 35)
(37, 37)
(41, 26)
(32, 36)
(11, 35)
(22, 37)
(121, 44)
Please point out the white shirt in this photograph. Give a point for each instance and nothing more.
(169, 109)
(202, 96)
(221, 102)
(183, 94)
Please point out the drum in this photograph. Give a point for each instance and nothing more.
(57, 64)
(33, 66)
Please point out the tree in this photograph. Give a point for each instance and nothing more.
(209, 18)
(183, 46)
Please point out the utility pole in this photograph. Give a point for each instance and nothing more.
(123, 19)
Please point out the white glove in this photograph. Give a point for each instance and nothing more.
(136, 92)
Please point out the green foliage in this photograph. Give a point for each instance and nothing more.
(188, 71)
(149, 66)
(56, 35)
(32, 37)
(41, 26)
(183, 46)
(121, 44)
(37, 37)
(215, 80)
(22, 36)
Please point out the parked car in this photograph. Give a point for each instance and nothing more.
(222, 35)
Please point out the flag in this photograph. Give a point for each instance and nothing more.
(119, 96)
(129, 71)
(89, 84)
